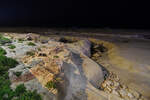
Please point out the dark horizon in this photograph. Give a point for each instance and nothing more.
(70, 13)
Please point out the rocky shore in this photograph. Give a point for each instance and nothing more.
(65, 68)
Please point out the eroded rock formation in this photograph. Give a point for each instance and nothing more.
(77, 72)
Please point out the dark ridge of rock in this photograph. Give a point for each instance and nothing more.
(64, 40)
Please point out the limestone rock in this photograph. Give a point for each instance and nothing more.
(31, 36)
(83, 46)
(73, 66)
(79, 76)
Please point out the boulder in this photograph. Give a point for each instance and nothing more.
(71, 63)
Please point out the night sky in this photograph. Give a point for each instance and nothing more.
(73, 13)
